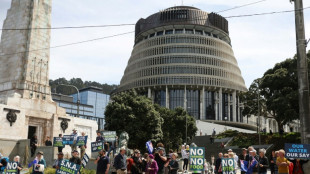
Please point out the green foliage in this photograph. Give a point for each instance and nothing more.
(137, 116)
(174, 127)
(227, 133)
(78, 82)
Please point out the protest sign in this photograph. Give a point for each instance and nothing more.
(58, 142)
(85, 160)
(96, 146)
(197, 158)
(81, 140)
(294, 151)
(67, 167)
(67, 139)
(11, 168)
(109, 135)
(228, 166)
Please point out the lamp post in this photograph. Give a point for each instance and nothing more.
(225, 123)
(78, 98)
(258, 117)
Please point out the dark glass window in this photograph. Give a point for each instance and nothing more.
(160, 33)
(187, 31)
(199, 32)
(225, 107)
(178, 31)
(193, 103)
(152, 35)
(209, 105)
(207, 33)
(169, 32)
(160, 97)
(214, 35)
(176, 98)
(237, 109)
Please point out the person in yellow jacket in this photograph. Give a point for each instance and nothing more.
(282, 163)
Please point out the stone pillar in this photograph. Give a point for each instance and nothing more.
(167, 97)
(149, 92)
(234, 108)
(220, 104)
(216, 102)
(229, 104)
(202, 104)
(185, 99)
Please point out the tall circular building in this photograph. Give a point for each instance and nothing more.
(183, 57)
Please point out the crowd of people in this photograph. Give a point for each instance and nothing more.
(250, 162)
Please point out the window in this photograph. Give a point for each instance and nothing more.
(199, 32)
(152, 35)
(160, 33)
(187, 31)
(178, 31)
(169, 32)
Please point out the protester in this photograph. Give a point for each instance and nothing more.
(236, 158)
(282, 163)
(263, 163)
(83, 148)
(298, 169)
(39, 164)
(161, 160)
(254, 159)
(144, 162)
(75, 158)
(75, 135)
(129, 165)
(166, 166)
(232, 155)
(113, 147)
(33, 144)
(218, 163)
(137, 163)
(272, 164)
(19, 166)
(103, 163)
(48, 141)
(185, 156)
(99, 137)
(242, 157)
(60, 148)
(152, 167)
(120, 162)
(173, 164)
(3, 163)
(57, 162)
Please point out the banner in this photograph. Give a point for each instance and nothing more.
(109, 135)
(67, 167)
(85, 160)
(294, 151)
(81, 140)
(58, 142)
(67, 139)
(228, 166)
(11, 168)
(96, 146)
(149, 147)
(197, 159)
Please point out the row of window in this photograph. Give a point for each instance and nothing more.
(183, 39)
(186, 59)
(199, 70)
(183, 49)
(182, 80)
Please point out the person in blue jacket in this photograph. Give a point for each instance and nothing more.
(39, 165)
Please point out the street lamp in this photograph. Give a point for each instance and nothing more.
(258, 113)
(78, 98)
(225, 123)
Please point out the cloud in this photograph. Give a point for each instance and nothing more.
(258, 42)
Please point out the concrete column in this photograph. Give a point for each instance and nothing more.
(220, 104)
(216, 106)
(229, 104)
(149, 93)
(234, 103)
(202, 104)
(167, 97)
(185, 99)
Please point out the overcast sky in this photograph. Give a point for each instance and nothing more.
(258, 42)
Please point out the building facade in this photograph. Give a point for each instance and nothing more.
(183, 57)
(95, 97)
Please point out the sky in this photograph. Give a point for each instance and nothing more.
(258, 42)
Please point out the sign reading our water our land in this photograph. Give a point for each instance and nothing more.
(96, 146)
(67, 167)
(197, 157)
(294, 151)
(11, 168)
(109, 135)
(228, 166)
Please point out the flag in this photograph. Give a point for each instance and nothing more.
(244, 165)
(252, 165)
(149, 147)
(35, 161)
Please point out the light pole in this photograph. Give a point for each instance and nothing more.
(225, 123)
(258, 113)
(78, 98)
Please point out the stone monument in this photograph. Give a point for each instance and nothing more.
(26, 106)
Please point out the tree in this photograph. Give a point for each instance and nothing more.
(174, 126)
(136, 115)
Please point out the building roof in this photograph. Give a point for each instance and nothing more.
(92, 88)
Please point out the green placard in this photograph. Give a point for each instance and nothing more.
(58, 142)
(228, 166)
(197, 158)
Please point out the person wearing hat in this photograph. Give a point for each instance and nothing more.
(152, 167)
(39, 165)
(103, 163)
(75, 158)
(256, 157)
(75, 135)
(57, 162)
(120, 162)
(137, 163)
(242, 157)
(173, 164)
